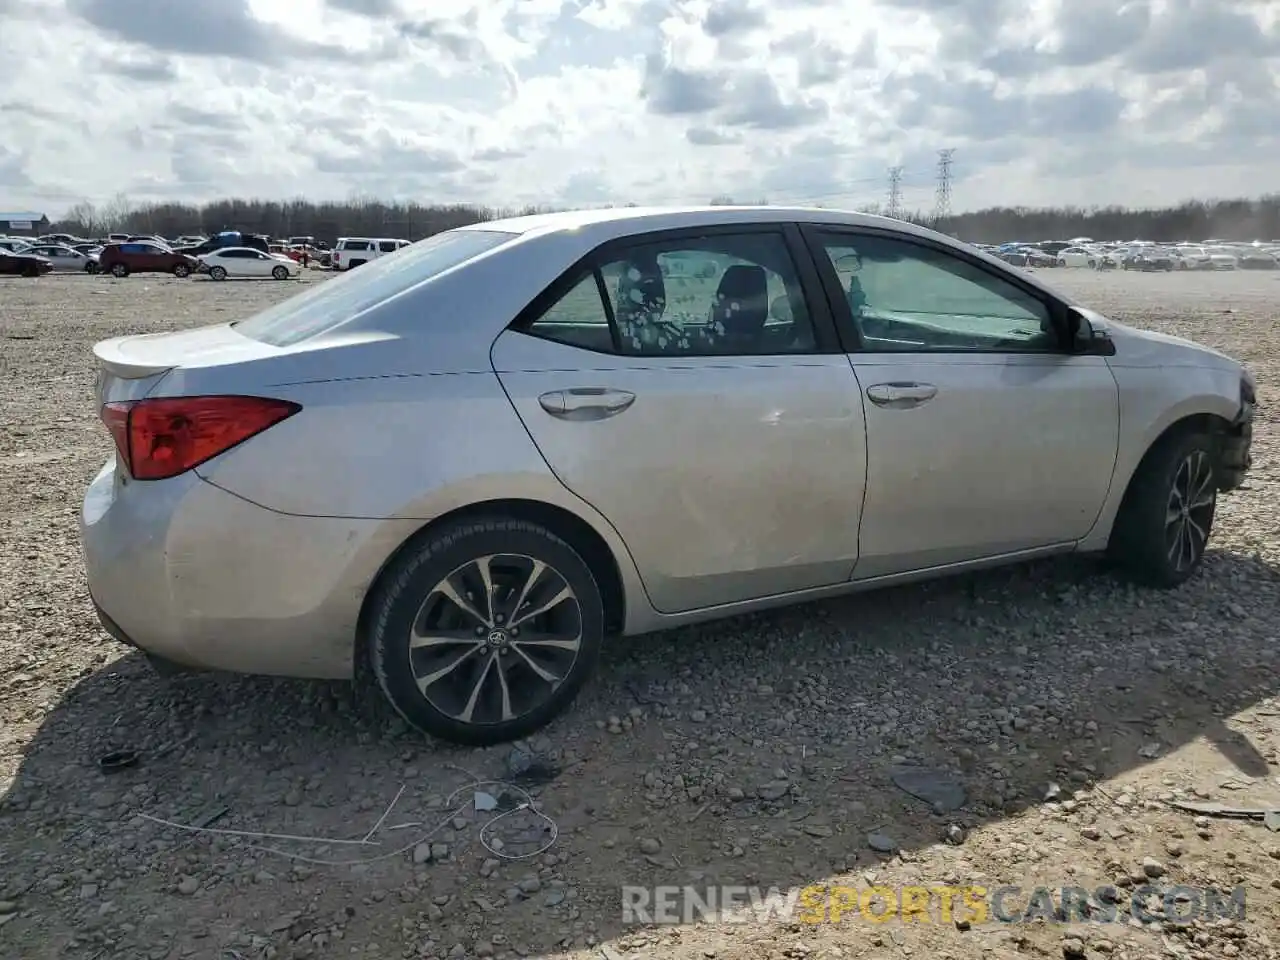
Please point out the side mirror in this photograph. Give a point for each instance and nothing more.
(780, 309)
(1085, 339)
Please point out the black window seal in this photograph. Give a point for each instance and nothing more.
(851, 335)
(603, 289)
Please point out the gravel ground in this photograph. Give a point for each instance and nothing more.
(1071, 709)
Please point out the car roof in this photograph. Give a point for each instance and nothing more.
(643, 219)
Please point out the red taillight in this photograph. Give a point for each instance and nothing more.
(166, 436)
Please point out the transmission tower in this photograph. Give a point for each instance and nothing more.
(942, 199)
(894, 208)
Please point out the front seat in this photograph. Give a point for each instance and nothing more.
(741, 308)
(642, 300)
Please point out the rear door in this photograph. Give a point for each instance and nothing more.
(355, 252)
(690, 387)
(984, 436)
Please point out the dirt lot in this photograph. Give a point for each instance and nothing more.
(1070, 708)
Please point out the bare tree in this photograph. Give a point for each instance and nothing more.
(83, 219)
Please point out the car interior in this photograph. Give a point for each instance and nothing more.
(904, 299)
(686, 302)
(707, 301)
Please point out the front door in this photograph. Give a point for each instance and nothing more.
(984, 436)
(687, 391)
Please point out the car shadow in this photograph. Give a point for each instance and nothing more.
(752, 751)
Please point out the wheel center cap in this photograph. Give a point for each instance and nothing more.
(496, 639)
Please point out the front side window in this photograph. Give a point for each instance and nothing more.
(907, 296)
(328, 304)
(388, 246)
(720, 295)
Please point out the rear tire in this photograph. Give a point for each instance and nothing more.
(218, 273)
(119, 271)
(481, 682)
(1165, 522)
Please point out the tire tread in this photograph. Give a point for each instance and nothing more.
(1134, 548)
(399, 577)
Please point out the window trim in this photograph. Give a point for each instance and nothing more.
(826, 337)
(851, 335)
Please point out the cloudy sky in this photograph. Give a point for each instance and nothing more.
(592, 101)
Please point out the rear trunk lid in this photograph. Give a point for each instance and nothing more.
(130, 368)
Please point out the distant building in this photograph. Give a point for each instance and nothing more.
(23, 224)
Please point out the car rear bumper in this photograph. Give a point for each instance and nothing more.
(196, 576)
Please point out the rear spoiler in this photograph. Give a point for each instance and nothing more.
(111, 359)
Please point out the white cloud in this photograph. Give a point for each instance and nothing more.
(588, 101)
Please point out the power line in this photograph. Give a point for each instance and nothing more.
(942, 199)
(894, 207)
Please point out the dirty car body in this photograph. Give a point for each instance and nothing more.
(468, 464)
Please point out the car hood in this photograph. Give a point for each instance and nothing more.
(1145, 348)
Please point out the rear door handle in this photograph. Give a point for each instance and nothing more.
(586, 403)
(901, 396)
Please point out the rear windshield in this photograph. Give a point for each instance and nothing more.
(332, 302)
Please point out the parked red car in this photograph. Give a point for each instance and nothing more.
(122, 259)
(23, 264)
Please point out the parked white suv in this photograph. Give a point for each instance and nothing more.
(353, 251)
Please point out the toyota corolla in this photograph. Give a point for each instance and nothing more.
(469, 464)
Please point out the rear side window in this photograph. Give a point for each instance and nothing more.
(333, 302)
(355, 245)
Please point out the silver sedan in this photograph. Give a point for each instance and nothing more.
(67, 259)
(469, 464)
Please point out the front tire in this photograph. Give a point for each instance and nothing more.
(119, 271)
(218, 273)
(485, 631)
(1166, 519)
(280, 273)
(182, 271)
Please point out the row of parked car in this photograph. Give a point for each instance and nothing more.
(124, 259)
(1140, 255)
(224, 255)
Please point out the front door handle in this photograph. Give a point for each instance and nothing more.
(586, 403)
(901, 396)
